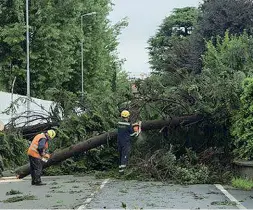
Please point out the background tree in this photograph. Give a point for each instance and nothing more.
(214, 19)
(55, 37)
(169, 48)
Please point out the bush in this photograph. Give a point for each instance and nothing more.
(13, 149)
(243, 184)
(242, 128)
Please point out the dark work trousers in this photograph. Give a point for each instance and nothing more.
(36, 169)
(124, 152)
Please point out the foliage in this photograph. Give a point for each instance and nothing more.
(243, 184)
(224, 203)
(242, 126)
(162, 165)
(214, 93)
(20, 198)
(76, 128)
(98, 159)
(13, 149)
(193, 175)
(179, 163)
(218, 87)
(13, 192)
(231, 53)
(215, 17)
(55, 37)
(169, 48)
(174, 89)
(103, 158)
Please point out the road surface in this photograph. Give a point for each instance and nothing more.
(87, 192)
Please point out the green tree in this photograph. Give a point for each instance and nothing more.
(214, 93)
(55, 37)
(169, 48)
(218, 86)
(214, 19)
(12, 48)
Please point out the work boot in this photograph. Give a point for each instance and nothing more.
(121, 172)
(40, 184)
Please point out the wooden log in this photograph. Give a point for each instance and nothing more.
(103, 138)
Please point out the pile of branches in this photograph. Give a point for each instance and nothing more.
(190, 168)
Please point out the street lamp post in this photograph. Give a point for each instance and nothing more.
(88, 14)
(27, 59)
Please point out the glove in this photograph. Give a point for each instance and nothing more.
(45, 157)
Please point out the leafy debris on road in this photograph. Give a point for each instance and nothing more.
(54, 183)
(76, 186)
(196, 196)
(13, 192)
(19, 198)
(224, 203)
(213, 192)
(55, 187)
(75, 191)
(59, 191)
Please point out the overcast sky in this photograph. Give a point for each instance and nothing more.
(144, 17)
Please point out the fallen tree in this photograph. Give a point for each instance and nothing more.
(109, 136)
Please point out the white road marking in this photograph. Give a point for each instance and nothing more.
(10, 179)
(88, 200)
(229, 196)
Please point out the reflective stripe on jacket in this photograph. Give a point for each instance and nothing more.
(33, 149)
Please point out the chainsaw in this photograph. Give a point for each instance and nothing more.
(137, 128)
(45, 158)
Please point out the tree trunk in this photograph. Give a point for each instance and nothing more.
(103, 138)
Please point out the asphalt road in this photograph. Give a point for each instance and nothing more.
(86, 192)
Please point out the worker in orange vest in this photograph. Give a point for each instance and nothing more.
(37, 153)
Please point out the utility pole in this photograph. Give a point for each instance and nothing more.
(27, 61)
(82, 71)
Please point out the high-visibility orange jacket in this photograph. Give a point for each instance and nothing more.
(33, 149)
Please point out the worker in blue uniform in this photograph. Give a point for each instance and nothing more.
(125, 132)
